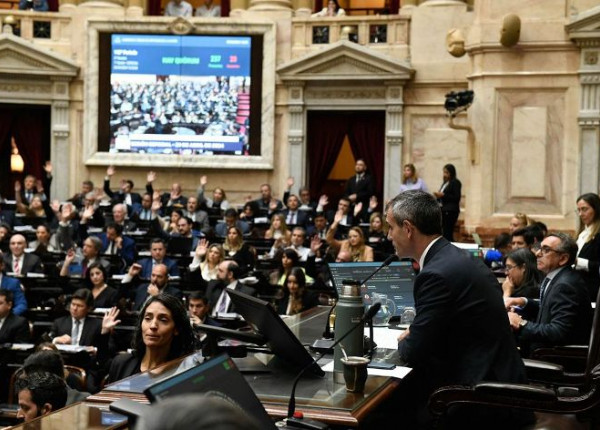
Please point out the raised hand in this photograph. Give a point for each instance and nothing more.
(203, 180)
(373, 203)
(315, 243)
(357, 208)
(290, 182)
(110, 170)
(110, 321)
(134, 270)
(323, 200)
(87, 213)
(151, 176)
(39, 186)
(202, 248)
(338, 217)
(17, 187)
(273, 205)
(55, 206)
(48, 167)
(156, 205)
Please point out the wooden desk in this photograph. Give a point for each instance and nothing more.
(79, 416)
(317, 398)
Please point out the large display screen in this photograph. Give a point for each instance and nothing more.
(186, 95)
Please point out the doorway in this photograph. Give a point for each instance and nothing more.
(28, 127)
(334, 141)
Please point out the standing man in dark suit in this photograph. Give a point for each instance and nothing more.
(460, 333)
(124, 195)
(360, 187)
(563, 315)
(17, 261)
(449, 200)
(13, 328)
(228, 273)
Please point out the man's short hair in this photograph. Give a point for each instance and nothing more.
(88, 183)
(45, 387)
(85, 295)
(234, 268)
(96, 242)
(300, 229)
(8, 295)
(418, 207)
(229, 213)
(158, 240)
(567, 246)
(197, 295)
(45, 361)
(130, 182)
(527, 234)
(116, 227)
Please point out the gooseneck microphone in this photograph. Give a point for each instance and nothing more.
(386, 263)
(370, 313)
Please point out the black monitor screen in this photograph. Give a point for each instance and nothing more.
(279, 337)
(218, 376)
(395, 280)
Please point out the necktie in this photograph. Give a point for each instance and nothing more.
(112, 248)
(543, 288)
(223, 305)
(75, 332)
(17, 267)
(84, 267)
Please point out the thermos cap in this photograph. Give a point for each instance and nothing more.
(350, 290)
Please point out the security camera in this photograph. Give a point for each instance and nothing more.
(458, 101)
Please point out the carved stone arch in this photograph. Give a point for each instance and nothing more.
(346, 76)
(33, 75)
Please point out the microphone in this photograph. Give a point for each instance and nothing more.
(370, 313)
(386, 263)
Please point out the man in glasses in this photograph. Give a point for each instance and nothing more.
(563, 313)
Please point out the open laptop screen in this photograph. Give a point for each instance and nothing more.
(220, 377)
(395, 280)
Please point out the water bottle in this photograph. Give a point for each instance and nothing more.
(349, 311)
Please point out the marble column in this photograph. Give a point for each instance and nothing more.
(297, 132)
(589, 121)
(394, 136)
(60, 132)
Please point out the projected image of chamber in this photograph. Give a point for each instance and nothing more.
(183, 95)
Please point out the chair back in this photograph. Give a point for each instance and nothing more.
(76, 377)
(593, 355)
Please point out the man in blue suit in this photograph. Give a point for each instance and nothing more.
(14, 286)
(158, 251)
(115, 243)
(461, 333)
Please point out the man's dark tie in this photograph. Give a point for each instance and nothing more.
(543, 288)
(84, 267)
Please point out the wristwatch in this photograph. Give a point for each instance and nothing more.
(523, 322)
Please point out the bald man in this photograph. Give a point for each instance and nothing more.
(17, 261)
(159, 280)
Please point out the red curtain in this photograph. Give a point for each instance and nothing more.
(325, 137)
(366, 132)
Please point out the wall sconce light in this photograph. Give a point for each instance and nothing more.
(17, 164)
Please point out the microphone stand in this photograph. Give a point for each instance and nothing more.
(292, 403)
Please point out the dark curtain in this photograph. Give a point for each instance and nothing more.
(318, 5)
(366, 132)
(394, 7)
(6, 119)
(31, 129)
(325, 137)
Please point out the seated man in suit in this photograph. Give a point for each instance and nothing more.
(144, 212)
(198, 310)
(563, 315)
(228, 273)
(267, 204)
(17, 261)
(78, 199)
(198, 216)
(75, 265)
(114, 242)
(14, 286)
(13, 328)
(293, 214)
(40, 393)
(231, 219)
(159, 279)
(158, 251)
(460, 334)
(184, 229)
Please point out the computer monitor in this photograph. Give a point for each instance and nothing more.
(395, 280)
(218, 376)
(282, 342)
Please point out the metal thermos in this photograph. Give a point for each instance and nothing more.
(349, 311)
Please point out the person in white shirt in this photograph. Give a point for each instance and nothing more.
(209, 10)
(178, 8)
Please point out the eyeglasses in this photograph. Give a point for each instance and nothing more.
(509, 267)
(582, 210)
(545, 250)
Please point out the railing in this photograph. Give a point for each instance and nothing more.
(39, 26)
(381, 32)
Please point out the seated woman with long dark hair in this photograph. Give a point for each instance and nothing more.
(163, 333)
(295, 297)
(522, 275)
(104, 295)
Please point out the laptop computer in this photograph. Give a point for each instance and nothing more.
(217, 376)
(395, 280)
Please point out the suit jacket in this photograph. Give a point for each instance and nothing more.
(119, 196)
(31, 263)
(15, 329)
(200, 220)
(215, 288)
(146, 264)
(7, 217)
(141, 295)
(124, 365)
(19, 300)
(564, 315)
(301, 217)
(127, 251)
(90, 335)
(221, 228)
(591, 251)
(363, 189)
(461, 333)
(451, 200)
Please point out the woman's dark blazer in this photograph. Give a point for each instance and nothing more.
(591, 251)
(309, 300)
(451, 199)
(123, 366)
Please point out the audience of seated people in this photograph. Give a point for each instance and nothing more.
(223, 253)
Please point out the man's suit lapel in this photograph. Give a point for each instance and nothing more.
(435, 248)
(549, 293)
